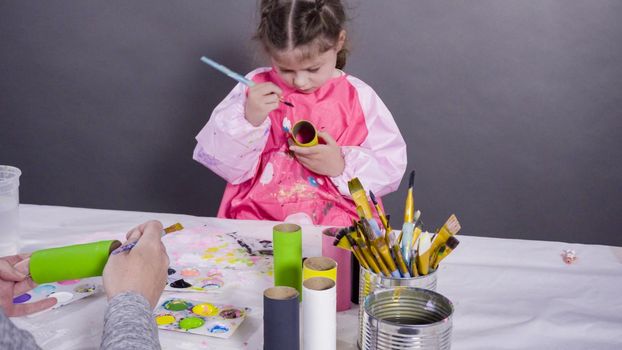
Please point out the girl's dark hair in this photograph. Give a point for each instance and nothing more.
(289, 24)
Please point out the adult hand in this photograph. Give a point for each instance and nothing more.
(262, 99)
(143, 269)
(14, 283)
(323, 159)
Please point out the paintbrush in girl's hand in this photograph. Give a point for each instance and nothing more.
(129, 246)
(236, 76)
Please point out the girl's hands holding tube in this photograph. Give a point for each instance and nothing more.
(323, 159)
(143, 269)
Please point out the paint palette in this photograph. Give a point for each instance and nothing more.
(196, 279)
(66, 292)
(199, 317)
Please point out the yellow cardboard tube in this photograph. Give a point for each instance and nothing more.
(319, 266)
(304, 134)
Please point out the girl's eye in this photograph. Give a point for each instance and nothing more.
(313, 70)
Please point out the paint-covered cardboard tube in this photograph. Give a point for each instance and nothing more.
(71, 262)
(304, 134)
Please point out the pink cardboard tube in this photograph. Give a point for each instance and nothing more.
(344, 277)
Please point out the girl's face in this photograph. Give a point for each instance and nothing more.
(305, 74)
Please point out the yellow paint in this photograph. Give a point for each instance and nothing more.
(164, 320)
(205, 309)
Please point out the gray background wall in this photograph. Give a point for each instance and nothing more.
(512, 109)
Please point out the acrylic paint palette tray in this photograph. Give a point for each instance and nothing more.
(199, 317)
(66, 292)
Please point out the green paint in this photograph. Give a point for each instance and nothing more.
(176, 305)
(191, 323)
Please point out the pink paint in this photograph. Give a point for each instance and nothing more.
(68, 282)
(190, 272)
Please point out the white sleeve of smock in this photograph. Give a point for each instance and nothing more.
(380, 161)
(228, 144)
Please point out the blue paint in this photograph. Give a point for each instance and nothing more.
(313, 182)
(45, 289)
(219, 329)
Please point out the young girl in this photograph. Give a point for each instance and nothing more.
(247, 139)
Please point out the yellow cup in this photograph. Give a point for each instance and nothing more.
(304, 134)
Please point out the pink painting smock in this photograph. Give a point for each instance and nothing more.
(265, 182)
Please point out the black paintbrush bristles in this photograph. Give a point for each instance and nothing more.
(411, 180)
(373, 197)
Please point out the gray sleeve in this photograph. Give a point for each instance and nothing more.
(13, 338)
(129, 324)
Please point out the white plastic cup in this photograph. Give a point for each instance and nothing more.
(9, 209)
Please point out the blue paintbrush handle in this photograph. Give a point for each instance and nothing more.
(227, 71)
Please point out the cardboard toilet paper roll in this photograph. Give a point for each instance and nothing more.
(281, 319)
(287, 246)
(319, 315)
(304, 134)
(344, 275)
(319, 266)
(71, 262)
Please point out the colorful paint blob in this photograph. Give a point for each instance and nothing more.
(22, 298)
(205, 309)
(190, 272)
(191, 323)
(85, 288)
(230, 313)
(180, 284)
(44, 289)
(211, 283)
(165, 319)
(313, 182)
(68, 282)
(219, 329)
(176, 305)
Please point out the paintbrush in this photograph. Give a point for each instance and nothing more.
(450, 228)
(236, 76)
(379, 243)
(367, 254)
(409, 207)
(357, 251)
(340, 240)
(359, 197)
(423, 253)
(383, 218)
(129, 246)
(397, 253)
(450, 245)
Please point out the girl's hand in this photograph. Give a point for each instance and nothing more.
(143, 269)
(262, 99)
(321, 159)
(14, 283)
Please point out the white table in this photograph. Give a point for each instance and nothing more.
(508, 294)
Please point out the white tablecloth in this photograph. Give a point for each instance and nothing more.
(508, 294)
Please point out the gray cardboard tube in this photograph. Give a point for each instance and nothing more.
(281, 323)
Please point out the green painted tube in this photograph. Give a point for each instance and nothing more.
(71, 262)
(287, 246)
